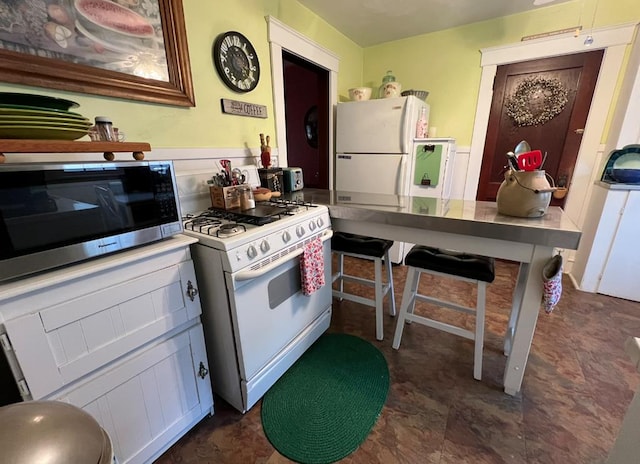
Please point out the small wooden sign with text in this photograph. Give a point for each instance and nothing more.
(243, 109)
(576, 30)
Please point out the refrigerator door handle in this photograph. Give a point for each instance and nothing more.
(402, 176)
(406, 131)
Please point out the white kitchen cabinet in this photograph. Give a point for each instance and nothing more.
(608, 259)
(622, 268)
(120, 337)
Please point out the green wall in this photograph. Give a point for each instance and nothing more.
(205, 125)
(447, 63)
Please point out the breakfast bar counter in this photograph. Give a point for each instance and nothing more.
(470, 226)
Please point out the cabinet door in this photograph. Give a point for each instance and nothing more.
(620, 275)
(64, 342)
(150, 399)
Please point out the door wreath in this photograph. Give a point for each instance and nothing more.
(536, 101)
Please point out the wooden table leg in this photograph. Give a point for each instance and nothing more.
(516, 304)
(525, 325)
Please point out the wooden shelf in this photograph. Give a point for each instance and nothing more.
(71, 146)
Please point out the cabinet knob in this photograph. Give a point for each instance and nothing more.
(202, 371)
(192, 292)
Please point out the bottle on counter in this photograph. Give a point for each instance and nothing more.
(421, 125)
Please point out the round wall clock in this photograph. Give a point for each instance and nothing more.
(236, 61)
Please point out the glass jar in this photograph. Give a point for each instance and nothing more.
(390, 87)
(104, 129)
(247, 200)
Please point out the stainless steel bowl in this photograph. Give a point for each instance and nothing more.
(51, 432)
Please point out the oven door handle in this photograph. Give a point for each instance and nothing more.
(248, 275)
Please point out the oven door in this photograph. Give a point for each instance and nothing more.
(269, 309)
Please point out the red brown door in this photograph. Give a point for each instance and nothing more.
(546, 103)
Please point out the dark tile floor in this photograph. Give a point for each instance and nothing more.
(576, 388)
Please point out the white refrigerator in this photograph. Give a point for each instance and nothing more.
(373, 141)
(376, 153)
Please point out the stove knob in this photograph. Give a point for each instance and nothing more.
(312, 226)
(286, 236)
(264, 246)
(320, 222)
(252, 252)
(300, 231)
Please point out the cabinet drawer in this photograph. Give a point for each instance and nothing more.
(64, 342)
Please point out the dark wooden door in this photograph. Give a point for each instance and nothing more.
(560, 137)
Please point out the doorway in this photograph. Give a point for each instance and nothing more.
(614, 40)
(545, 102)
(306, 96)
(284, 39)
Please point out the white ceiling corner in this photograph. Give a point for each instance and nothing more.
(371, 22)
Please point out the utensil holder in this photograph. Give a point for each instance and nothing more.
(224, 197)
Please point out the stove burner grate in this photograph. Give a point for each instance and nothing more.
(229, 230)
(200, 223)
(292, 206)
(256, 217)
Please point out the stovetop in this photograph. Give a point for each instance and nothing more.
(259, 232)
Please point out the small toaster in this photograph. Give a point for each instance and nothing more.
(292, 179)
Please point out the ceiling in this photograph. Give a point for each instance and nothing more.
(371, 22)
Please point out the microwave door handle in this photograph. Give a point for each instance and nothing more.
(248, 275)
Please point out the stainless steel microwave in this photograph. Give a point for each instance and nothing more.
(55, 214)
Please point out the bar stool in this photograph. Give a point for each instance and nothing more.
(372, 249)
(478, 270)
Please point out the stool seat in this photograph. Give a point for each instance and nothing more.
(475, 269)
(360, 245)
(456, 263)
(371, 249)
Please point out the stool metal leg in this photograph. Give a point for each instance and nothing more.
(392, 296)
(479, 336)
(408, 301)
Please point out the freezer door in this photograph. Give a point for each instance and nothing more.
(371, 173)
(375, 126)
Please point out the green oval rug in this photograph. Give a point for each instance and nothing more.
(326, 404)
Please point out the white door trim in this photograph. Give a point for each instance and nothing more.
(282, 37)
(614, 41)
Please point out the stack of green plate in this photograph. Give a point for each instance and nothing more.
(27, 116)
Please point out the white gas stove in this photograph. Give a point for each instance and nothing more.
(251, 236)
(257, 321)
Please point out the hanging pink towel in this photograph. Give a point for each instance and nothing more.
(312, 267)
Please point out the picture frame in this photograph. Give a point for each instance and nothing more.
(96, 71)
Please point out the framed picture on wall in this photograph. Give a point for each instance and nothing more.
(133, 49)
